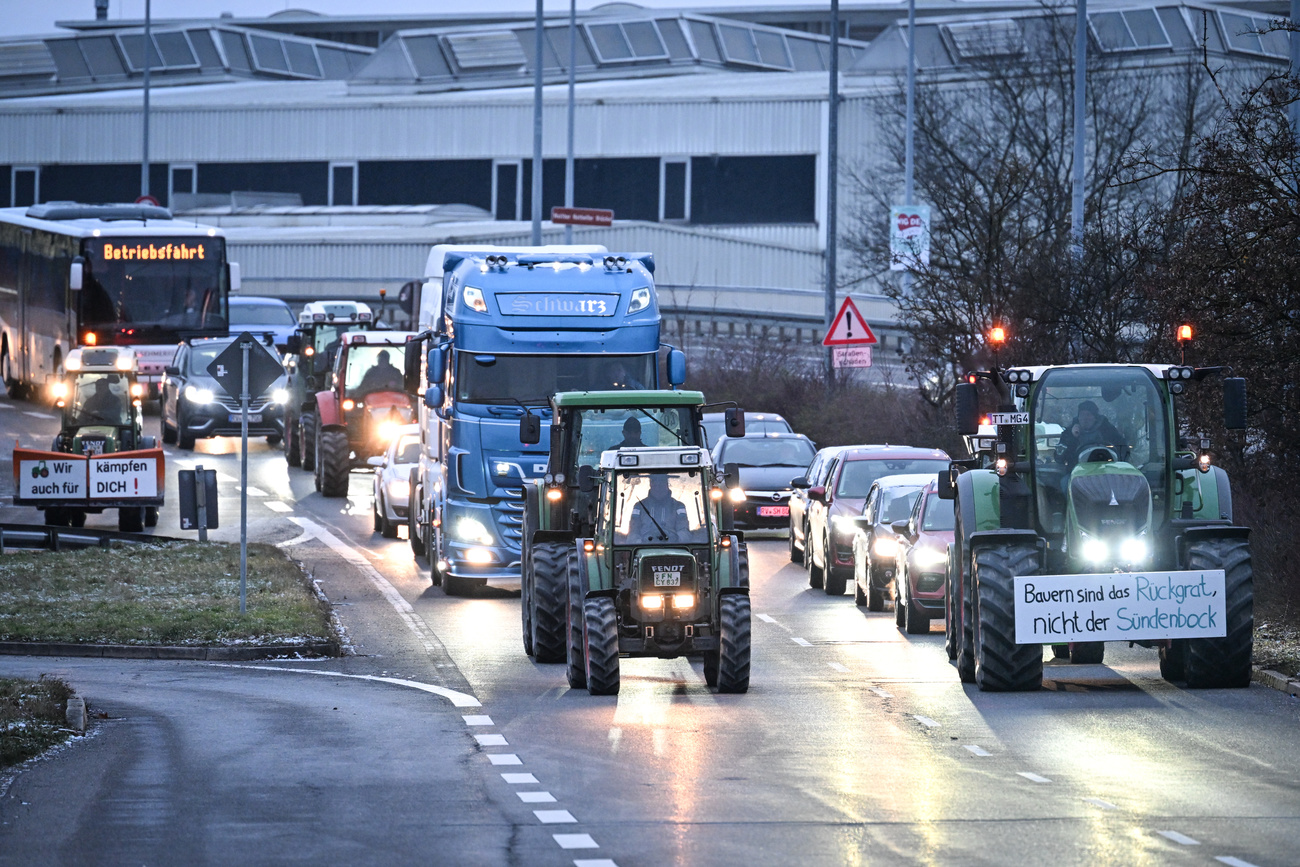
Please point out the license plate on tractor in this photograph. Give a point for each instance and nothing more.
(774, 511)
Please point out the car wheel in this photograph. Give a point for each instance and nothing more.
(875, 593)
(168, 432)
(900, 616)
(796, 555)
(815, 572)
(183, 438)
(859, 597)
(374, 513)
(833, 580)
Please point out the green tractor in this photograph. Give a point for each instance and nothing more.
(658, 577)
(1084, 517)
(558, 508)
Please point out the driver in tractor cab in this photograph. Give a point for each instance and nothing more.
(383, 376)
(659, 516)
(103, 406)
(1089, 428)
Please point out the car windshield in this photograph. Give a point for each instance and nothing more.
(511, 378)
(408, 450)
(857, 477)
(602, 429)
(766, 452)
(938, 514)
(714, 429)
(203, 354)
(101, 398)
(896, 504)
(660, 507)
(260, 314)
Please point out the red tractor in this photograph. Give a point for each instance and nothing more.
(361, 412)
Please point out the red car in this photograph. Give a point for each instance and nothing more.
(921, 578)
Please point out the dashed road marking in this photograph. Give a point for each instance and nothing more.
(504, 759)
(554, 817)
(519, 779)
(802, 642)
(767, 618)
(1226, 859)
(536, 797)
(599, 862)
(6, 406)
(34, 414)
(1181, 839)
(880, 692)
(278, 506)
(840, 667)
(978, 750)
(925, 721)
(1032, 777)
(256, 492)
(491, 740)
(477, 719)
(1098, 802)
(575, 841)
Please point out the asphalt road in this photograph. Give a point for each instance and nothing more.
(440, 742)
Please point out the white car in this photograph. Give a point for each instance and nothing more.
(393, 480)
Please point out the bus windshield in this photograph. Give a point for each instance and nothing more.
(170, 284)
(510, 378)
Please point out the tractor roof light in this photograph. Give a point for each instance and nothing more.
(997, 336)
(1184, 333)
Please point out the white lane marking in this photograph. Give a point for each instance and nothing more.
(802, 642)
(37, 414)
(491, 740)
(1032, 777)
(840, 667)
(978, 750)
(767, 618)
(404, 610)
(575, 841)
(615, 736)
(536, 797)
(305, 536)
(504, 759)
(458, 699)
(925, 721)
(518, 779)
(222, 477)
(6, 406)
(278, 506)
(476, 720)
(554, 817)
(1181, 839)
(1098, 802)
(257, 492)
(603, 862)
(880, 692)
(1222, 859)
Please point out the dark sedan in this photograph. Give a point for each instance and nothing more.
(766, 464)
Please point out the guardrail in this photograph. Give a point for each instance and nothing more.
(39, 536)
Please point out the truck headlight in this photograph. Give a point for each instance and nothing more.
(198, 395)
(640, 300)
(472, 530)
(474, 299)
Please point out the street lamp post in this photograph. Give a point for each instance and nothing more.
(832, 199)
(148, 58)
(539, 63)
(568, 156)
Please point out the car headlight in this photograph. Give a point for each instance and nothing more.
(472, 530)
(280, 395)
(885, 546)
(640, 300)
(843, 525)
(198, 395)
(737, 495)
(929, 558)
(399, 490)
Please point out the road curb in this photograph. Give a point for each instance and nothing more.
(1277, 680)
(137, 651)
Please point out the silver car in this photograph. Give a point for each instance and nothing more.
(393, 480)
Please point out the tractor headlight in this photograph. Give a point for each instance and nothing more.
(640, 300)
(399, 490)
(885, 546)
(472, 530)
(652, 601)
(1094, 550)
(929, 558)
(387, 430)
(1133, 550)
(198, 395)
(683, 600)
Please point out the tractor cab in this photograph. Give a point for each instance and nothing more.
(100, 402)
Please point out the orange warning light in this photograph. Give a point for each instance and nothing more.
(91, 338)
(1184, 333)
(997, 335)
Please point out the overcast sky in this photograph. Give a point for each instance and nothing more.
(33, 17)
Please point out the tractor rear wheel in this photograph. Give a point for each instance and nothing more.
(1001, 665)
(307, 435)
(548, 600)
(1087, 652)
(576, 669)
(600, 645)
(733, 643)
(1224, 662)
(334, 459)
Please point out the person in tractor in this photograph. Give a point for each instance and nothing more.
(659, 516)
(383, 376)
(631, 435)
(1089, 428)
(102, 406)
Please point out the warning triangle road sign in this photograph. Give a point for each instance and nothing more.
(848, 328)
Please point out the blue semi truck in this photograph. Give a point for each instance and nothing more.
(500, 331)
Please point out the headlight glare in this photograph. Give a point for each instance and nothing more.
(399, 490)
(1094, 550)
(884, 546)
(198, 395)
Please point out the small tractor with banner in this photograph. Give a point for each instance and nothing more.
(100, 459)
(1088, 518)
(358, 416)
(658, 577)
(560, 507)
(309, 360)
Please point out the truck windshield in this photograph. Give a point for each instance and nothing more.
(510, 378)
(168, 284)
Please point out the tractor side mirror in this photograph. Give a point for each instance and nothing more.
(433, 397)
(676, 367)
(945, 488)
(411, 366)
(734, 422)
(968, 408)
(586, 479)
(1234, 403)
(530, 429)
(76, 274)
(731, 475)
(293, 345)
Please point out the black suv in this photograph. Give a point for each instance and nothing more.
(193, 405)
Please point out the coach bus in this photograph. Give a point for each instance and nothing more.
(93, 275)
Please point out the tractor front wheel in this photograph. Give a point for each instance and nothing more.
(576, 669)
(1087, 652)
(1001, 665)
(292, 443)
(307, 436)
(548, 599)
(334, 458)
(733, 643)
(130, 520)
(1224, 662)
(600, 645)
(1173, 660)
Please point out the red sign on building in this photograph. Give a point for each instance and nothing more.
(582, 216)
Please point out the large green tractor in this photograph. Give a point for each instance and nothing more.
(1088, 518)
(658, 577)
(561, 506)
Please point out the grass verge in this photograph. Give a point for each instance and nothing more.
(171, 594)
(32, 717)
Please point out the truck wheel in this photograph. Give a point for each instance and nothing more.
(549, 599)
(292, 443)
(333, 461)
(1087, 652)
(914, 621)
(130, 520)
(600, 645)
(150, 516)
(307, 436)
(733, 641)
(1173, 660)
(577, 663)
(1001, 665)
(810, 561)
(1224, 662)
(431, 550)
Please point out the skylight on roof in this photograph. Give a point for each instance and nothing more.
(997, 37)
